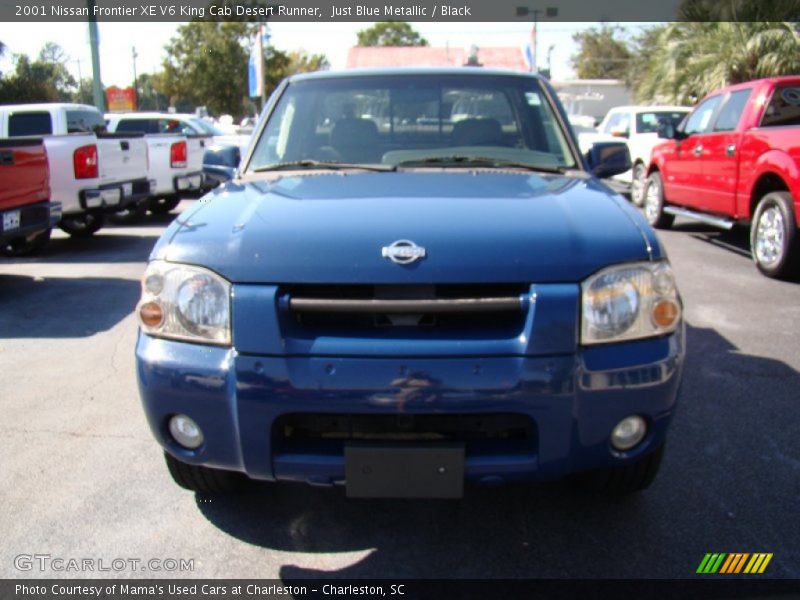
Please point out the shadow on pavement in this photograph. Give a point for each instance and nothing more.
(100, 248)
(736, 240)
(55, 307)
(729, 483)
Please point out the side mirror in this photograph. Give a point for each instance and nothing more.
(606, 159)
(218, 173)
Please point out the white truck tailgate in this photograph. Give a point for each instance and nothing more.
(121, 157)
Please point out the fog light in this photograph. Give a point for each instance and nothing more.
(185, 431)
(628, 432)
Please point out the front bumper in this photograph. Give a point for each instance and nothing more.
(572, 400)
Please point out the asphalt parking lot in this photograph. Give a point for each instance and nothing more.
(82, 477)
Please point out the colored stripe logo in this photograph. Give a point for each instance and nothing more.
(734, 563)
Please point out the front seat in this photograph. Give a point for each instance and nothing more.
(477, 132)
(356, 140)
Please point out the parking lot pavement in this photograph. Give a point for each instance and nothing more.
(82, 477)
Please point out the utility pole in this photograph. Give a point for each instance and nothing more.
(80, 81)
(135, 84)
(97, 82)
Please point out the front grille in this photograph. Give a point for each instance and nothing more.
(463, 307)
(302, 432)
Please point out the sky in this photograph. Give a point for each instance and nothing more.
(332, 39)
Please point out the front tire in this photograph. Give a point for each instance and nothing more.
(654, 202)
(638, 179)
(204, 480)
(773, 236)
(82, 226)
(624, 480)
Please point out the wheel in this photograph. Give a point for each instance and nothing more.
(773, 236)
(202, 479)
(132, 214)
(637, 184)
(161, 206)
(654, 202)
(627, 479)
(27, 246)
(84, 225)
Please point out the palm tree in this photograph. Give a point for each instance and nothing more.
(692, 59)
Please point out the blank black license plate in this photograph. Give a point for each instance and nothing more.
(386, 471)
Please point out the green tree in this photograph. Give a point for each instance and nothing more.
(206, 64)
(390, 33)
(689, 60)
(83, 92)
(149, 92)
(603, 54)
(45, 79)
(281, 64)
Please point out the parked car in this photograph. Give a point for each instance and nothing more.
(735, 160)
(26, 213)
(401, 312)
(176, 159)
(638, 126)
(92, 172)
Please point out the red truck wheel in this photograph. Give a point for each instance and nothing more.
(27, 246)
(654, 202)
(773, 236)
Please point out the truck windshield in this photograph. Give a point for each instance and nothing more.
(414, 119)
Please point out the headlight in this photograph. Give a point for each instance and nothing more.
(629, 302)
(183, 302)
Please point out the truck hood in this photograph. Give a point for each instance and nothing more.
(498, 226)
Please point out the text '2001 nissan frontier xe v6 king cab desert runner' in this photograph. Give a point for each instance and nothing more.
(400, 297)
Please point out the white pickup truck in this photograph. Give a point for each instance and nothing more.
(635, 125)
(176, 157)
(92, 172)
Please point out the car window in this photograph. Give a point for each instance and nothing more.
(618, 122)
(387, 119)
(203, 126)
(175, 126)
(82, 121)
(783, 107)
(137, 126)
(731, 111)
(647, 122)
(29, 123)
(700, 119)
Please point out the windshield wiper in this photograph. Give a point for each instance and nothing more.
(483, 161)
(319, 164)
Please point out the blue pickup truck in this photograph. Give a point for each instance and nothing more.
(415, 280)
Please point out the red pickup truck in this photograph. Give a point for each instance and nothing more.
(26, 213)
(735, 159)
